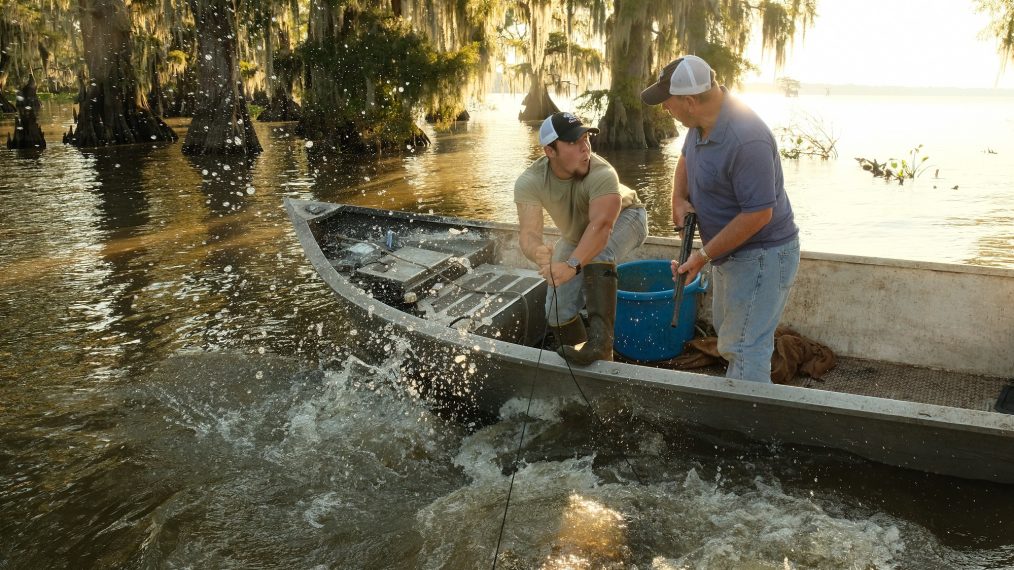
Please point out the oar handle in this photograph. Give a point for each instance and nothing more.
(677, 299)
(686, 248)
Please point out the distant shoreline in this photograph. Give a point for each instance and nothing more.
(887, 90)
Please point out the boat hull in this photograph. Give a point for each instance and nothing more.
(480, 374)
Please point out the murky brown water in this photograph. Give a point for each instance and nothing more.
(175, 391)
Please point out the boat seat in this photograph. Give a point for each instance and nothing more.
(494, 301)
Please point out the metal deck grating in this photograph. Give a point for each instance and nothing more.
(901, 382)
(908, 383)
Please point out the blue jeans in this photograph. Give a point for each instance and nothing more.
(750, 290)
(629, 232)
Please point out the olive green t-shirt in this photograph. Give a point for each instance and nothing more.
(567, 200)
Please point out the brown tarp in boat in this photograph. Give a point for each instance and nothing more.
(793, 353)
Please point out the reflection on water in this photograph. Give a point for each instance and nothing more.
(958, 211)
(176, 389)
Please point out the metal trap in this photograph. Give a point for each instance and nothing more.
(498, 302)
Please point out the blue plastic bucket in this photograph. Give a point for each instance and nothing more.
(644, 308)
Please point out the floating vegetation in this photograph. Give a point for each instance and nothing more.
(894, 169)
(808, 136)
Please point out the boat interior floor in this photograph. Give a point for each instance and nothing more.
(901, 382)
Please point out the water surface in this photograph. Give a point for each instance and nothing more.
(178, 390)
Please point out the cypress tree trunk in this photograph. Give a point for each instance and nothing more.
(627, 123)
(5, 105)
(113, 111)
(156, 97)
(322, 96)
(221, 123)
(269, 58)
(28, 96)
(27, 133)
(46, 56)
(537, 103)
(183, 98)
(282, 106)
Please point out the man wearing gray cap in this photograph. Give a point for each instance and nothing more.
(600, 220)
(730, 174)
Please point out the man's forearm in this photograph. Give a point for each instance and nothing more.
(680, 190)
(680, 187)
(732, 236)
(680, 195)
(593, 241)
(529, 242)
(737, 231)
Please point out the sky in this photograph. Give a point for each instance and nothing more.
(916, 43)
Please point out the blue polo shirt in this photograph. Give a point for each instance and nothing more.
(738, 169)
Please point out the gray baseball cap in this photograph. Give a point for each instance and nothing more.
(688, 75)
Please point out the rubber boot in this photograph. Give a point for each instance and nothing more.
(600, 299)
(570, 333)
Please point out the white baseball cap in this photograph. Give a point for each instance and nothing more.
(688, 75)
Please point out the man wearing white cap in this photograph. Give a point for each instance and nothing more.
(730, 174)
(600, 220)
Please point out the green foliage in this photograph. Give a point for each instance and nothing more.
(248, 69)
(383, 71)
(62, 98)
(720, 32)
(627, 92)
(593, 102)
(895, 169)
(779, 21)
(1001, 25)
(911, 168)
(26, 25)
(443, 98)
(520, 70)
(519, 45)
(177, 57)
(288, 63)
(511, 19)
(54, 37)
(21, 14)
(481, 10)
(443, 115)
(176, 61)
(729, 65)
(558, 44)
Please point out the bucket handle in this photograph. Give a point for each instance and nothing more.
(705, 283)
(700, 284)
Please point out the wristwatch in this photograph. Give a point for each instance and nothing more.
(575, 265)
